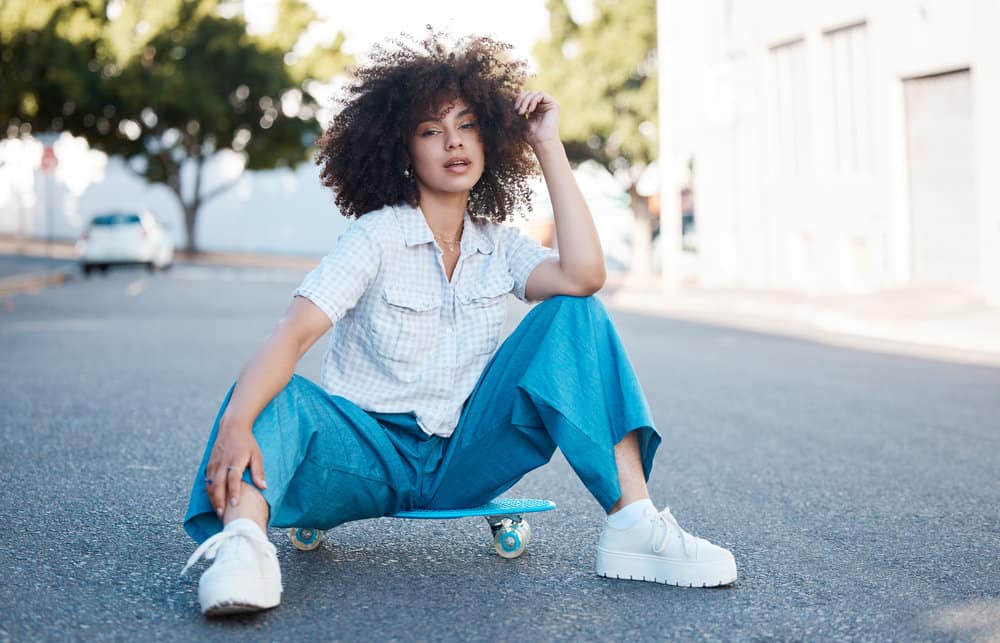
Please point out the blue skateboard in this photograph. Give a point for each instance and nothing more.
(511, 532)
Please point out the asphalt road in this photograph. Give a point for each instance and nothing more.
(859, 492)
(17, 265)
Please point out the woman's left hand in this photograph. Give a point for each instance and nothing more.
(542, 112)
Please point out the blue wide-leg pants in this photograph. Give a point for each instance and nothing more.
(562, 379)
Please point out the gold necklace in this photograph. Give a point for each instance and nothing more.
(452, 244)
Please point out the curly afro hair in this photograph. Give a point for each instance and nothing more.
(364, 152)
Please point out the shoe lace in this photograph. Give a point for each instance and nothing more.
(664, 522)
(210, 547)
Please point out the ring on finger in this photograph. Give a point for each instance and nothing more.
(209, 481)
(231, 468)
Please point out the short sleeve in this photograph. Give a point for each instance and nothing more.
(523, 256)
(339, 281)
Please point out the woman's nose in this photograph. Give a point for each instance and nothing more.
(454, 140)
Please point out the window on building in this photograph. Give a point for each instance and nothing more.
(847, 51)
(791, 108)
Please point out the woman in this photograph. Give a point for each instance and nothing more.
(434, 148)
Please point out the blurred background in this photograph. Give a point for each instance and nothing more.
(835, 147)
(818, 148)
(800, 205)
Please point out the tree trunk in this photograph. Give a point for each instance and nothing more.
(190, 218)
(191, 209)
(200, 199)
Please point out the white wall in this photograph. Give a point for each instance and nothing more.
(279, 211)
(814, 223)
(986, 107)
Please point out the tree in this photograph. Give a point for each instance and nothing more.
(603, 73)
(166, 85)
(45, 54)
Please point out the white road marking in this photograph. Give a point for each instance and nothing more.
(137, 287)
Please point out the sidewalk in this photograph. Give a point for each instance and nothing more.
(60, 263)
(936, 322)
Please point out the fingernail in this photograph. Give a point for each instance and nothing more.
(263, 484)
(218, 510)
(232, 501)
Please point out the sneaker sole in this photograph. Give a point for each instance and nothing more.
(227, 609)
(219, 597)
(655, 570)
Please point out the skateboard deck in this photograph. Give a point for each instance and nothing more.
(495, 507)
(511, 532)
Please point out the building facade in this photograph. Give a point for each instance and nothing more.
(833, 147)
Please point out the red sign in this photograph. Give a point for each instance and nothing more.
(49, 160)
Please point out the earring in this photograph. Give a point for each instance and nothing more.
(408, 173)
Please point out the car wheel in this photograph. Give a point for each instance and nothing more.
(103, 268)
(86, 268)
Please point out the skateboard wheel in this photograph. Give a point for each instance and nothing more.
(304, 538)
(509, 541)
(525, 532)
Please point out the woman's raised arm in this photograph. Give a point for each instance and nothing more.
(580, 269)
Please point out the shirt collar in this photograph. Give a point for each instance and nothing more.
(474, 237)
(414, 225)
(416, 231)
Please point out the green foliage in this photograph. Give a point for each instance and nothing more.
(163, 83)
(603, 73)
(324, 61)
(45, 50)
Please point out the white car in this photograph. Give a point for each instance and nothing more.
(121, 238)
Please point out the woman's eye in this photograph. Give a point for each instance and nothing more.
(469, 125)
(428, 132)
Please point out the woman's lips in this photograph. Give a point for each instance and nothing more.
(458, 167)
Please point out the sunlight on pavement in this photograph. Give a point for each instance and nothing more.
(223, 273)
(979, 620)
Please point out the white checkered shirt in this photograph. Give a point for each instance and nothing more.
(405, 339)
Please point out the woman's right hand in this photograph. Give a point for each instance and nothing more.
(235, 449)
(263, 377)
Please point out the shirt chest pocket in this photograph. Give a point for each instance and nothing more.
(484, 307)
(405, 328)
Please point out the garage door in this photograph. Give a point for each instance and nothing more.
(944, 226)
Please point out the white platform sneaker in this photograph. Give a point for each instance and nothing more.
(656, 549)
(245, 576)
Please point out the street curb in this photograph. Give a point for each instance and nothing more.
(31, 283)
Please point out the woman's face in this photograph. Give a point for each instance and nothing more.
(446, 150)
